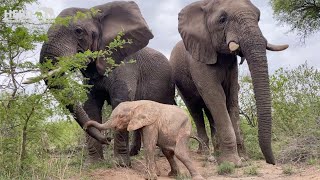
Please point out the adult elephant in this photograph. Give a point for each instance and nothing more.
(148, 78)
(206, 72)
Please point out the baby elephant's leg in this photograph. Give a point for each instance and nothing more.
(181, 151)
(149, 141)
(173, 164)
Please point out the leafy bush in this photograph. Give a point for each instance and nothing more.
(226, 168)
(251, 171)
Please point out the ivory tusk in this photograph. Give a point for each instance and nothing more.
(31, 80)
(272, 47)
(50, 73)
(38, 78)
(233, 46)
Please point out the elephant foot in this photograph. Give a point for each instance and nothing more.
(230, 158)
(197, 177)
(123, 160)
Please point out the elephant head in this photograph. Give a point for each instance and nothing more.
(127, 116)
(212, 27)
(95, 33)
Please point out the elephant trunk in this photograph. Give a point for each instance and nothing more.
(254, 49)
(49, 51)
(104, 126)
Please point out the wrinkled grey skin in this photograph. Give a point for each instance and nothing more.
(166, 126)
(148, 78)
(206, 73)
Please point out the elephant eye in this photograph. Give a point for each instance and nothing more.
(222, 19)
(121, 116)
(79, 31)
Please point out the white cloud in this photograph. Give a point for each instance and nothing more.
(278, 33)
(162, 17)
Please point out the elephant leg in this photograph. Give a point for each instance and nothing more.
(120, 93)
(136, 144)
(173, 164)
(225, 131)
(150, 138)
(213, 130)
(93, 107)
(208, 83)
(233, 108)
(181, 152)
(121, 146)
(197, 115)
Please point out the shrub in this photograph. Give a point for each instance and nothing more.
(226, 168)
(251, 171)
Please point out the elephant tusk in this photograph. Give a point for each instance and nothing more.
(38, 78)
(50, 73)
(233, 46)
(272, 47)
(30, 80)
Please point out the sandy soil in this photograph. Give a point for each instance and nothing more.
(207, 169)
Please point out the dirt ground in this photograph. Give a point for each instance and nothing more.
(208, 170)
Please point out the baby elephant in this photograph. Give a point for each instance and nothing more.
(166, 126)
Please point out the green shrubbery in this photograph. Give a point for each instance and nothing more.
(295, 108)
(38, 138)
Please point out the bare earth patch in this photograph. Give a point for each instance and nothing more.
(207, 169)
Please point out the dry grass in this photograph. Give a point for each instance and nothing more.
(301, 149)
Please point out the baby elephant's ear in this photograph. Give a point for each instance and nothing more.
(140, 119)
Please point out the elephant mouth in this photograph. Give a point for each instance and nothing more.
(49, 56)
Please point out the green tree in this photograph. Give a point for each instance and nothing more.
(302, 15)
(17, 120)
(32, 123)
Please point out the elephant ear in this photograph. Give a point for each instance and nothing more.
(195, 35)
(126, 17)
(141, 117)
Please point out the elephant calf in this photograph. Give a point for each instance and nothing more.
(164, 125)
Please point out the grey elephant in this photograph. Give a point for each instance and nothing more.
(206, 72)
(149, 77)
(166, 126)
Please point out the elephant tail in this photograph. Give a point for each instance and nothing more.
(206, 149)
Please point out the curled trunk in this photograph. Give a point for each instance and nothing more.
(82, 118)
(76, 109)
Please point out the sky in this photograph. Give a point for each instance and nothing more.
(162, 18)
